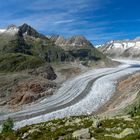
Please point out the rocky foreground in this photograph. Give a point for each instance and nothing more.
(80, 128)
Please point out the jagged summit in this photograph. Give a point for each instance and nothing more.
(76, 41)
(12, 26)
(12, 29)
(58, 40)
(26, 29)
(124, 48)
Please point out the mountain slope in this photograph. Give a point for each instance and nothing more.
(126, 48)
(26, 40)
(78, 47)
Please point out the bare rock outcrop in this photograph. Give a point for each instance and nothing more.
(30, 91)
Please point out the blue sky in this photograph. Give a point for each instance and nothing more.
(98, 20)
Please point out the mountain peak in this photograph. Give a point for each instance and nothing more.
(12, 29)
(26, 29)
(74, 42)
(25, 24)
(122, 48)
(12, 26)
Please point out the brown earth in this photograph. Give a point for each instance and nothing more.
(126, 92)
(30, 91)
(131, 83)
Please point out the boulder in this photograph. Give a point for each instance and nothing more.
(123, 134)
(82, 134)
(96, 123)
(46, 72)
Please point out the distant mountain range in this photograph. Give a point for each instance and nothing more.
(123, 49)
(23, 48)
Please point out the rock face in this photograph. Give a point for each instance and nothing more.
(123, 134)
(46, 72)
(75, 42)
(49, 73)
(28, 92)
(25, 29)
(126, 48)
(19, 89)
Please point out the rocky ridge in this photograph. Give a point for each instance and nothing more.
(26, 29)
(75, 42)
(124, 48)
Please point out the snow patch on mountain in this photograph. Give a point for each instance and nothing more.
(125, 48)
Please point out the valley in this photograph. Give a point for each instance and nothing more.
(33, 66)
(69, 70)
(49, 78)
(84, 90)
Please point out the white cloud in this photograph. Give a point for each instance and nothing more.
(64, 21)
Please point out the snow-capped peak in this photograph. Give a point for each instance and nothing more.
(124, 48)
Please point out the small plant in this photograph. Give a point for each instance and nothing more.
(7, 125)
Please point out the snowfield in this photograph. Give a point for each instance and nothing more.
(74, 98)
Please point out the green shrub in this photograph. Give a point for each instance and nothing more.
(7, 125)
